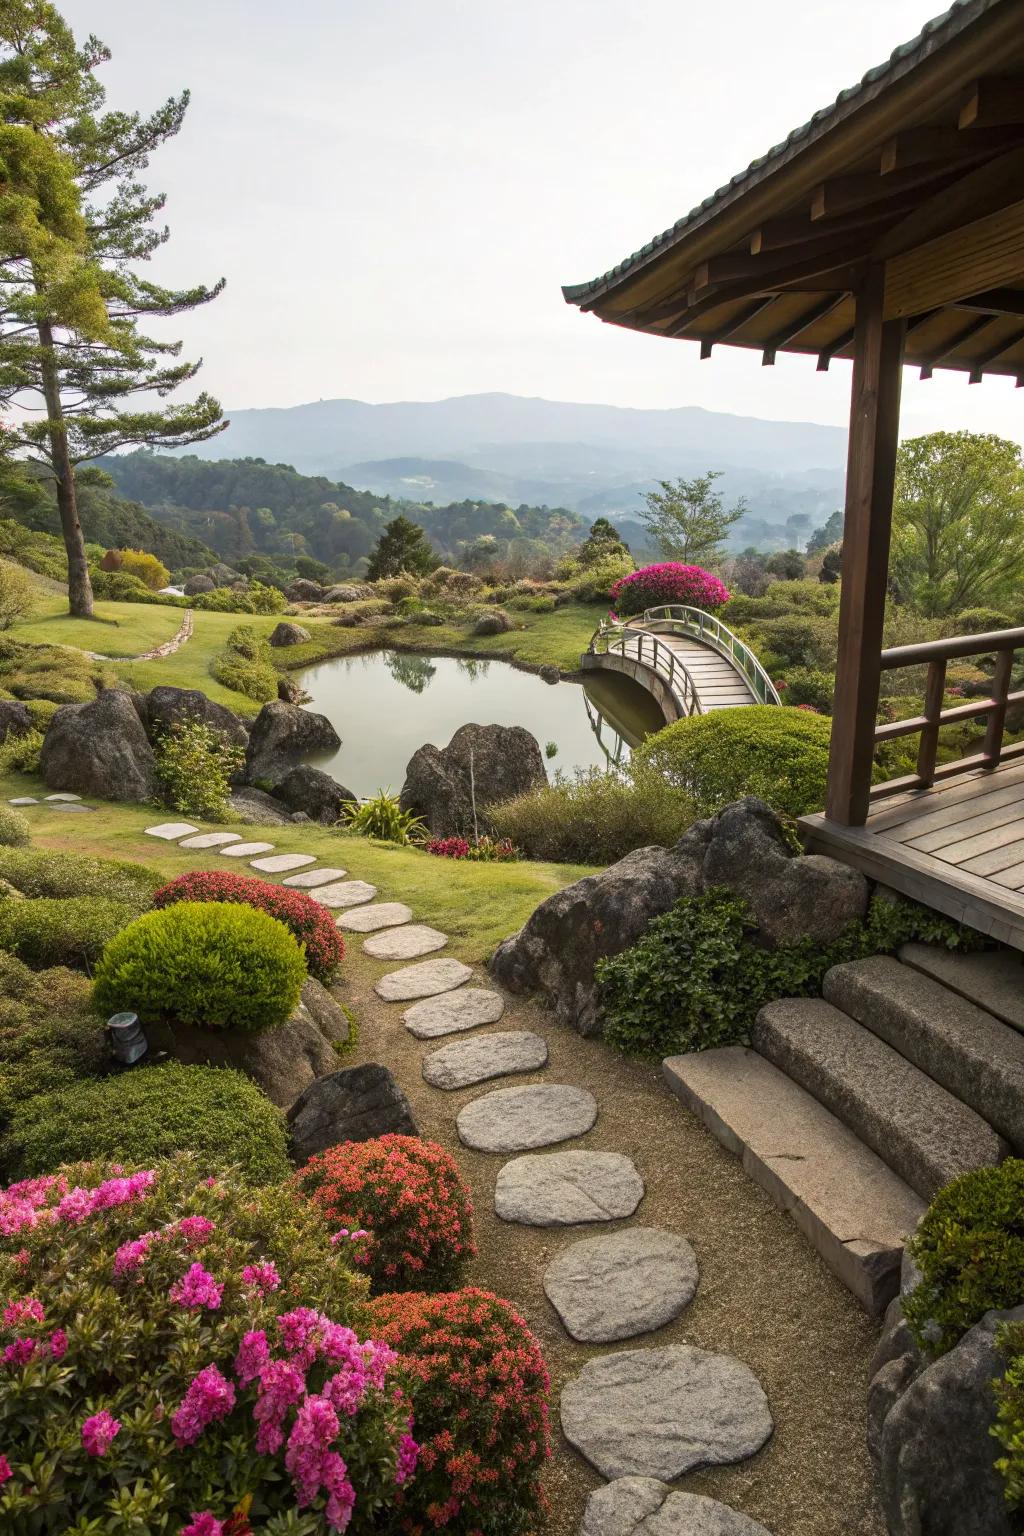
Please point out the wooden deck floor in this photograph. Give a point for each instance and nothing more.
(958, 847)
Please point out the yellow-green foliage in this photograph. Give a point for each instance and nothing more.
(149, 570)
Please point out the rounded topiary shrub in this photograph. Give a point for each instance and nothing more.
(15, 831)
(183, 1351)
(670, 582)
(408, 1197)
(969, 1248)
(212, 964)
(310, 923)
(151, 1111)
(72, 930)
(779, 754)
(480, 1401)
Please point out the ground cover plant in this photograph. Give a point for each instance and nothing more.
(408, 1199)
(182, 1356)
(14, 828)
(311, 924)
(1008, 1428)
(246, 665)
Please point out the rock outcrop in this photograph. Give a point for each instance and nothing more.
(489, 762)
(304, 592)
(196, 584)
(289, 634)
(282, 735)
(257, 808)
(310, 790)
(99, 749)
(355, 1104)
(15, 719)
(163, 707)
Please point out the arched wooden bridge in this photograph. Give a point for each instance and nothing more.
(687, 659)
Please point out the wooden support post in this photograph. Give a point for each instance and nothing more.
(870, 473)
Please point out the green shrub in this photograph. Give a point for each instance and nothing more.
(20, 754)
(17, 593)
(42, 712)
(245, 664)
(593, 583)
(797, 640)
(213, 964)
(194, 766)
(595, 817)
(69, 930)
(969, 1248)
(1008, 1428)
(15, 831)
(803, 685)
(978, 621)
(256, 598)
(43, 872)
(777, 753)
(49, 1035)
(382, 817)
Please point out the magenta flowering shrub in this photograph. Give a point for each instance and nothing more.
(670, 582)
(180, 1355)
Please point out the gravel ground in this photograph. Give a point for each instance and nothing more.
(764, 1296)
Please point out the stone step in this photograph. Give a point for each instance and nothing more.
(979, 1059)
(856, 1213)
(924, 1134)
(994, 979)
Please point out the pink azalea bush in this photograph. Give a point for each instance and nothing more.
(181, 1354)
(670, 582)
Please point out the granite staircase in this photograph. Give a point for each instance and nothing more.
(851, 1110)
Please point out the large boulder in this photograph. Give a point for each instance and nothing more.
(224, 575)
(304, 592)
(490, 762)
(164, 706)
(15, 719)
(289, 634)
(345, 594)
(100, 749)
(282, 735)
(355, 1104)
(308, 789)
(196, 584)
(256, 807)
(744, 847)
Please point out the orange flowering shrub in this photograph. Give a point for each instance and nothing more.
(480, 1399)
(403, 1202)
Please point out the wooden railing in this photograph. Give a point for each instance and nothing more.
(936, 655)
(641, 646)
(681, 619)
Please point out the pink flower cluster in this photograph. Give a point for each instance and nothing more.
(262, 1277)
(25, 1204)
(670, 582)
(98, 1433)
(210, 1397)
(131, 1256)
(314, 1465)
(30, 1310)
(203, 1524)
(197, 1288)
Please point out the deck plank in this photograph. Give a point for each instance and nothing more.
(958, 849)
(995, 859)
(971, 814)
(922, 802)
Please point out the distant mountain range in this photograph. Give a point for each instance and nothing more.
(596, 460)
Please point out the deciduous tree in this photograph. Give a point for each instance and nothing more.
(688, 519)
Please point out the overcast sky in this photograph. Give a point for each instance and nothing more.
(396, 189)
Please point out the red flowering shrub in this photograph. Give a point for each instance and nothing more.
(311, 923)
(449, 847)
(670, 582)
(480, 1402)
(407, 1197)
(486, 850)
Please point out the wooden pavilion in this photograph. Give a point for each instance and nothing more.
(889, 230)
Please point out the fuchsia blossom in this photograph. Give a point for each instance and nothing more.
(130, 1256)
(203, 1524)
(195, 1229)
(253, 1354)
(5, 1470)
(197, 1288)
(313, 1465)
(263, 1277)
(78, 1204)
(98, 1433)
(210, 1397)
(58, 1344)
(281, 1385)
(28, 1309)
(408, 1456)
(20, 1352)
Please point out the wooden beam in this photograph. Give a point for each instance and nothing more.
(767, 278)
(993, 354)
(826, 354)
(779, 234)
(968, 197)
(920, 146)
(746, 314)
(804, 322)
(846, 194)
(996, 301)
(871, 469)
(959, 340)
(993, 102)
(733, 265)
(980, 255)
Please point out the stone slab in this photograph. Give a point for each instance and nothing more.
(994, 979)
(516, 1119)
(661, 1412)
(405, 943)
(566, 1189)
(245, 850)
(170, 831)
(344, 893)
(643, 1506)
(850, 1206)
(374, 915)
(621, 1284)
(465, 1062)
(924, 1134)
(82, 810)
(277, 863)
(210, 840)
(24, 800)
(424, 980)
(312, 877)
(65, 797)
(454, 1012)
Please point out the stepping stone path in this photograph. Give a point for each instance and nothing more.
(405, 943)
(450, 1015)
(278, 863)
(171, 831)
(565, 1189)
(63, 798)
(245, 850)
(423, 980)
(24, 800)
(312, 877)
(661, 1412)
(210, 840)
(344, 893)
(515, 1119)
(621, 1284)
(473, 1061)
(379, 914)
(641, 1506)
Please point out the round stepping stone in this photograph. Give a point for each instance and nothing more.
(380, 914)
(626, 1508)
(313, 877)
(24, 800)
(245, 850)
(66, 799)
(82, 809)
(423, 980)
(661, 1412)
(279, 862)
(473, 1061)
(449, 1015)
(344, 893)
(514, 1119)
(403, 943)
(565, 1189)
(210, 840)
(621, 1284)
(170, 831)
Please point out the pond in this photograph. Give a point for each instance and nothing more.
(386, 704)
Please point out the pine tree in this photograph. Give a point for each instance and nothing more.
(688, 520)
(403, 546)
(75, 220)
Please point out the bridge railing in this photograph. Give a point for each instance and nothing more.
(641, 646)
(680, 619)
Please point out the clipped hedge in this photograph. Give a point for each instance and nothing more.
(49, 1035)
(14, 828)
(150, 1112)
(213, 964)
(42, 872)
(310, 923)
(70, 930)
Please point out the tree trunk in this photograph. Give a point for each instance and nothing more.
(79, 585)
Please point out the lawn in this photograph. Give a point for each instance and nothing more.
(119, 629)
